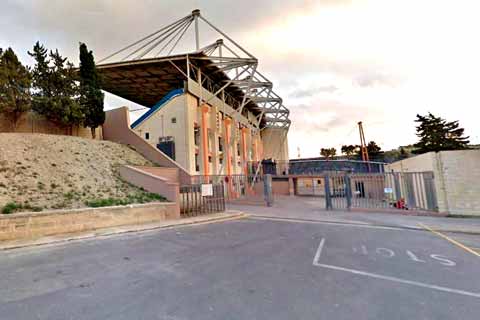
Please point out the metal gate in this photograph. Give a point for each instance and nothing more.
(403, 191)
(194, 203)
(238, 188)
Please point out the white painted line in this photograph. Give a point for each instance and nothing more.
(319, 251)
(316, 263)
(332, 223)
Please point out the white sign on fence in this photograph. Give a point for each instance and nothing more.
(207, 190)
(388, 190)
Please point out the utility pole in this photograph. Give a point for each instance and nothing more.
(363, 145)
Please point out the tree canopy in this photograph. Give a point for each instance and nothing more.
(15, 82)
(56, 92)
(328, 152)
(374, 150)
(91, 96)
(350, 150)
(437, 134)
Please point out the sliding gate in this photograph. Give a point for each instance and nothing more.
(403, 191)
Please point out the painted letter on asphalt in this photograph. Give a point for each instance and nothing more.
(443, 260)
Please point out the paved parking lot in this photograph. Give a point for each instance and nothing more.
(245, 269)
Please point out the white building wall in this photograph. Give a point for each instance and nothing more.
(169, 120)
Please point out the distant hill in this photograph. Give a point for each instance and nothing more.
(42, 171)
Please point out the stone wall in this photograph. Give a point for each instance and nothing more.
(30, 226)
(31, 122)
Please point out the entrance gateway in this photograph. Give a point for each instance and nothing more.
(402, 191)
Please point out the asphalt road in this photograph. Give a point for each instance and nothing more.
(245, 269)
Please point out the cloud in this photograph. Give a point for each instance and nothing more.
(303, 93)
(372, 79)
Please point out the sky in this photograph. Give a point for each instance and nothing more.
(334, 62)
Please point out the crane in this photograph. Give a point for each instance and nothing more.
(363, 145)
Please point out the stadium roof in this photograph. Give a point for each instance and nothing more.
(226, 69)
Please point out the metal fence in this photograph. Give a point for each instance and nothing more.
(405, 191)
(193, 203)
(235, 186)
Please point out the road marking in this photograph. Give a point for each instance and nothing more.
(455, 242)
(316, 263)
(334, 223)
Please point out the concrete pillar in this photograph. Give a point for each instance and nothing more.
(244, 150)
(204, 142)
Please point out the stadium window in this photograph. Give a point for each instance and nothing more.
(147, 135)
(196, 135)
(220, 145)
(197, 166)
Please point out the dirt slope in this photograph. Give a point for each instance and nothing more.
(52, 172)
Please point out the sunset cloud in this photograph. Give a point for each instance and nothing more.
(334, 62)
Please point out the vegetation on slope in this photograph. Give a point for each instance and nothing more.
(39, 172)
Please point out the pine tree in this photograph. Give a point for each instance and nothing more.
(40, 76)
(91, 96)
(56, 90)
(65, 103)
(328, 152)
(349, 150)
(436, 134)
(15, 82)
(374, 151)
(403, 153)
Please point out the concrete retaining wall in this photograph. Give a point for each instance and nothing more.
(153, 183)
(171, 174)
(29, 226)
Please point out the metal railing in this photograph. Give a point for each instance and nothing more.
(235, 186)
(193, 203)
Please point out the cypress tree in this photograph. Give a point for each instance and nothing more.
(15, 82)
(91, 95)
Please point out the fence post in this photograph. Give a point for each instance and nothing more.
(267, 189)
(348, 191)
(328, 198)
(398, 193)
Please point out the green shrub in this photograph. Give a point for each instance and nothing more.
(11, 207)
(137, 198)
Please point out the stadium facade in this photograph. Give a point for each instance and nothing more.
(209, 109)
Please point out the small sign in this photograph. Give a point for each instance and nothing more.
(388, 190)
(207, 190)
